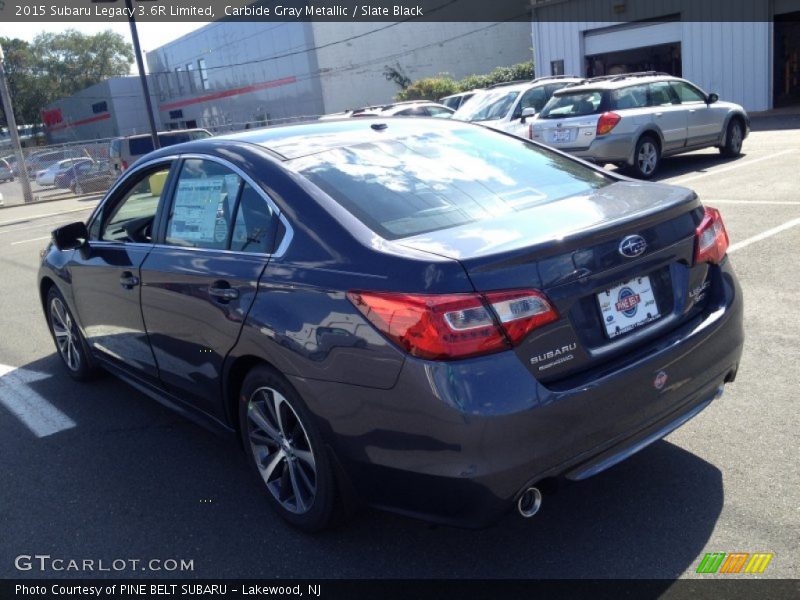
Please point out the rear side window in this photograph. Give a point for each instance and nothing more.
(575, 104)
(255, 224)
(443, 178)
(629, 97)
(140, 145)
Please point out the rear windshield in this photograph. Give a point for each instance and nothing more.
(575, 104)
(143, 145)
(439, 179)
(487, 106)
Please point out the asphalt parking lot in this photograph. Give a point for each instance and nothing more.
(98, 471)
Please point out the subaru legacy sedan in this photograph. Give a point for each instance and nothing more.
(426, 316)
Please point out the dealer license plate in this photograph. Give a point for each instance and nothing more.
(628, 305)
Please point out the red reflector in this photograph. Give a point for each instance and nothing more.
(124, 165)
(607, 122)
(711, 238)
(447, 326)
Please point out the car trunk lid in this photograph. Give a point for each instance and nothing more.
(571, 250)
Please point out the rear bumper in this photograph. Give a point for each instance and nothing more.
(611, 148)
(457, 442)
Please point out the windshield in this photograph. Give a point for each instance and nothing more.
(432, 180)
(575, 104)
(487, 106)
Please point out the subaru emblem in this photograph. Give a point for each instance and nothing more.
(632, 246)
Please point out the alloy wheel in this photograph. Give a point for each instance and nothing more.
(647, 158)
(282, 450)
(66, 334)
(736, 138)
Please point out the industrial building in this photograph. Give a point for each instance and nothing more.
(752, 58)
(107, 109)
(228, 74)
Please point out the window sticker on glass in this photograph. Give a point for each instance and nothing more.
(196, 211)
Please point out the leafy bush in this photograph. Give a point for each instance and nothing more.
(433, 88)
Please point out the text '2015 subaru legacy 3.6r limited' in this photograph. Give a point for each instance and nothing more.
(429, 316)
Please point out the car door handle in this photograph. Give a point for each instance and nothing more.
(128, 280)
(222, 291)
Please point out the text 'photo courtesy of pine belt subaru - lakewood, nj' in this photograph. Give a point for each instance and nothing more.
(421, 315)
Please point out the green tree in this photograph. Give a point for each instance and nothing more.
(55, 65)
(433, 88)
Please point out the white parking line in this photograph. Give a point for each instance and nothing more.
(764, 235)
(39, 239)
(754, 202)
(32, 217)
(736, 165)
(38, 415)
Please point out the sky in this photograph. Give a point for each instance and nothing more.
(151, 35)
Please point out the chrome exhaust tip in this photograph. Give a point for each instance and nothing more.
(529, 502)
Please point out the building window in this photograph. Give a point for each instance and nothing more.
(176, 114)
(100, 107)
(201, 68)
(178, 78)
(190, 76)
(557, 67)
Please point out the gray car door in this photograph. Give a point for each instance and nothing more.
(668, 115)
(704, 121)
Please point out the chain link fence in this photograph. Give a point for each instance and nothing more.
(84, 170)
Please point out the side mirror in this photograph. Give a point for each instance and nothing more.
(69, 237)
(712, 98)
(528, 112)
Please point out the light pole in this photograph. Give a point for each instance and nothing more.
(140, 64)
(8, 108)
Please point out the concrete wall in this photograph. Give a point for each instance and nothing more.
(351, 71)
(730, 58)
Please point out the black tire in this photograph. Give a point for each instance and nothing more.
(734, 136)
(278, 455)
(74, 352)
(646, 158)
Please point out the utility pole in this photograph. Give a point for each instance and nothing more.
(140, 64)
(8, 109)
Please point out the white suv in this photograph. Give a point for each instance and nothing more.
(508, 106)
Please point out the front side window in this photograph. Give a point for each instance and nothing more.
(446, 177)
(687, 93)
(534, 98)
(131, 219)
(574, 104)
(203, 206)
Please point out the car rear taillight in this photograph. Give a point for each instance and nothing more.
(607, 122)
(711, 239)
(447, 326)
(124, 165)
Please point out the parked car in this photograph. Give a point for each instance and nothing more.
(428, 315)
(96, 178)
(455, 101)
(124, 151)
(412, 108)
(65, 177)
(12, 163)
(508, 106)
(40, 161)
(48, 176)
(6, 172)
(634, 120)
